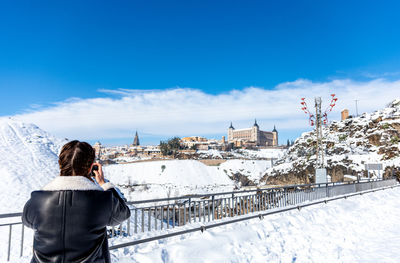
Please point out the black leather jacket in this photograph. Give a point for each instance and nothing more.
(70, 225)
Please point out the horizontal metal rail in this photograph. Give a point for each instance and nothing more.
(250, 191)
(10, 215)
(258, 215)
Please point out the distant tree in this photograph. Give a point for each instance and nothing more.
(288, 143)
(170, 147)
(292, 142)
(193, 147)
(164, 148)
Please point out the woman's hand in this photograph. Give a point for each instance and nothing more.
(99, 176)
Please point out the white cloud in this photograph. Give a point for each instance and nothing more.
(184, 111)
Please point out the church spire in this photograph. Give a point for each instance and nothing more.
(136, 140)
(255, 123)
(231, 127)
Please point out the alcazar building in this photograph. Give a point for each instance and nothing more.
(253, 135)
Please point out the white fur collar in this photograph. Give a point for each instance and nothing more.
(71, 183)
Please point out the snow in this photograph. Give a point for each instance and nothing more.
(160, 179)
(357, 229)
(253, 169)
(28, 160)
(270, 153)
(29, 155)
(350, 144)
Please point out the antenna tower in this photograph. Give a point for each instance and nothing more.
(320, 119)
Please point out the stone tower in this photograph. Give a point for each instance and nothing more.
(136, 140)
(230, 133)
(275, 138)
(255, 134)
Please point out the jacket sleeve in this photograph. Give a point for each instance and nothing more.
(27, 215)
(120, 211)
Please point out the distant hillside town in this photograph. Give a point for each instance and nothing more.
(246, 138)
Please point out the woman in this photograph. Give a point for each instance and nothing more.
(70, 214)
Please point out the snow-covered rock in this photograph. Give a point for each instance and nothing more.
(349, 145)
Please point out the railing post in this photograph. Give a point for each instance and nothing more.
(162, 217)
(208, 208)
(9, 244)
(184, 213)
(284, 197)
(213, 208)
(22, 240)
(190, 211)
(149, 220)
(232, 205)
(168, 215)
(155, 218)
(142, 220)
(135, 221)
(194, 211)
(173, 216)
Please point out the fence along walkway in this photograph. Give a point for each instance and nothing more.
(149, 216)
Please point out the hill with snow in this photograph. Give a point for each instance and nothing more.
(349, 145)
(169, 178)
(28, 160)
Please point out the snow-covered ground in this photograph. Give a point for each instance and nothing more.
(170, 178)
(28, 160)
(358, 229)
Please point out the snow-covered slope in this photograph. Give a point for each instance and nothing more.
(28, 160)
(357, 229)
(349, 144)
(160, 179)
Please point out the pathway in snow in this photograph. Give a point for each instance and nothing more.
(358, 229)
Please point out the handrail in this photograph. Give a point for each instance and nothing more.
(10, 215)
(258, 215)
(252, 190)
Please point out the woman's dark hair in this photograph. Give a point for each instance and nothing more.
(76, 158)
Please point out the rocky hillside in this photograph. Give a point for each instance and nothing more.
(349, 145)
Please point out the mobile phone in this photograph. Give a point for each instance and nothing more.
(94, 168)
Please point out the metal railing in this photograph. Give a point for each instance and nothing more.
(149, 217)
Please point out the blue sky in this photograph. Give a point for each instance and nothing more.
(54, 51)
